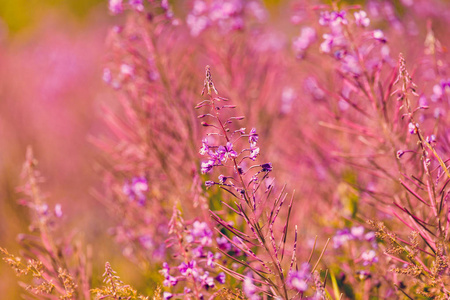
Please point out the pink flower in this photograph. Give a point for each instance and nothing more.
(361, 18)
(115, 6)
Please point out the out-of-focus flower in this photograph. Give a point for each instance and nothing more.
(170, 281)
(167, 295)
(126, 70)
(249, 288)
(370, 236)
(221, 278)
(197, 24)
(304, 40)
(210, 259)
(379, 36)
(357, 232)
(350, 65)
(136, 189)
(223, 244)
(327, 43)
(202, 232)
(341, 237)
(412, 129)
(115, 6)
(313, 88)
(206, 280)
(298, 280)
(137, 5)
(107, 76)
(58, 210)
(361, 18)
(287, 97)
(369, 257)
(189, 268)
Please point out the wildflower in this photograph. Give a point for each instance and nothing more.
(370, 236)
(58, 211)
(222, 179)
(136, 189)
(338, 17)
(324, 18)
(440, 89)
(165, 270)
(363, 275)
(254, 153)
(249, 288)
(351, 65)
(229, 152)
(253, 137)
(210, 259)
(209, 183)
(361, 18)
(167, 295)
(206, 280)
(369, 257)
(146, 241)
(127, 70)
(199, 7)
(241, 130)
(287, 97)
(413, 128)
(201, 231)
(379, 36)
(205, 147)
(137, 5)
(400, 153)
(107, 77)
(221, 154)
(298, 279)
(198, 252)
(206, 167)
(223, 244)
(197, 24)
(327, 43)
(431, 139)
(170, 281)
(221, 278)
(341, 237)
(267, 167)
(438, 112)
(188, 269)
(357, 232)
(115, 6)
(304, 40)
(313, 88)
(257, 10)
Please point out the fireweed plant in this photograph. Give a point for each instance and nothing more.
(380, 105)
(53, 265)
(233, 151)
(369, 156)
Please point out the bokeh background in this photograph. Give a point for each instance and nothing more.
(50, 97)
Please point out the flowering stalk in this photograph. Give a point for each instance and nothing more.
(246, 187)
(47, 261)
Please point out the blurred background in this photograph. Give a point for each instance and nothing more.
(50, 93)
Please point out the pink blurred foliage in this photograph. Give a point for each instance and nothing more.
(50, 86)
